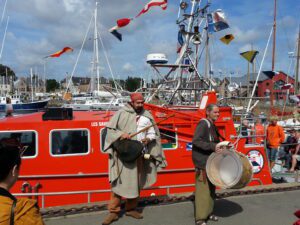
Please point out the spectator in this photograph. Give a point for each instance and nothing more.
(259, 132)
(289, 148)
(295, 158)
(12, 210)
(275, 136)
(244, 129)
(9, 107)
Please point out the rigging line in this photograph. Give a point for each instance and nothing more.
(292, 61)
(4, 36)
(3, 12)
(259, 71)
(110, 69)
(179, 10)
(78, 56)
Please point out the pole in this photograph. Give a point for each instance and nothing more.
(248, 78)
(274, 36)
(297, 65)
(274, 51)
(45, 61)
(31, 76)
(96, 62)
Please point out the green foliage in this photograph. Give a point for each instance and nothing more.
(5, 69)
(51, 85)
(132, 83)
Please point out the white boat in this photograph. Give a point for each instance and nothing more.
(98, 104)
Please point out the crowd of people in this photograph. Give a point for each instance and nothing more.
(280, 145)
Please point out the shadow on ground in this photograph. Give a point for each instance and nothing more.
(226, 208)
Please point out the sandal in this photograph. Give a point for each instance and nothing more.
(213, 217)
(201, 222)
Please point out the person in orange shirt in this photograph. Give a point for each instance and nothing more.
(275, 136)
(259, 131)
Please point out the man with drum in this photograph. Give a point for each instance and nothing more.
(205, 142)
(127, 178)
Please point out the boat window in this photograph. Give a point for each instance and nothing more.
(103, 133)
(69, 142)
(23, 139)
(168, 138)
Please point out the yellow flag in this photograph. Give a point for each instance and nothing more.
(227, 38)
(249, 55)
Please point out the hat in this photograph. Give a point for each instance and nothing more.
(136, 96)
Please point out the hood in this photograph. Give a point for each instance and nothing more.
(130, 109)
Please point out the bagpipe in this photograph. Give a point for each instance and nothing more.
(129, 150)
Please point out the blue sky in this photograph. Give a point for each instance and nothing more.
(40, 27)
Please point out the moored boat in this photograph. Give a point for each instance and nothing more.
(63, 163)
(20, 107)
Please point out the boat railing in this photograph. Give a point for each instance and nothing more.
(90, 192)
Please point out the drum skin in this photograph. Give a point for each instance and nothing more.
(229, 169)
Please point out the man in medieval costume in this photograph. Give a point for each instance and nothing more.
(12, 210)
(128, 178)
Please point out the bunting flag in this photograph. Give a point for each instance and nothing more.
(249, 55)
(216, 21)
(227, 38)
(162, 3)
(120, 23)
(180, 37)
(60, 52)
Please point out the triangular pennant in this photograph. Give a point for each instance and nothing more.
(60, 52)
(227, 38)
(249, 55)
(162, 3)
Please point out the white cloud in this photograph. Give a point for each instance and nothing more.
(246, 47)
(128, 67)
(40, 27)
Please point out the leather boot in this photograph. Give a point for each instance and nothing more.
(111, 217)
(135, 214)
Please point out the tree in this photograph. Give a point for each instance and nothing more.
(132, 83)
(6, 71)
(51, 85)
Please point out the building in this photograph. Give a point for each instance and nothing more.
(279, 80)
(265, 86)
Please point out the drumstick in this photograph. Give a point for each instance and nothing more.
(146, 128)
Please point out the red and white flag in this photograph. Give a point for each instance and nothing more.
(120, 23)
(162, 3)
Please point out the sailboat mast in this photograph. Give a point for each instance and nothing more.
(274, 51)
(274, 36)
(96, 48)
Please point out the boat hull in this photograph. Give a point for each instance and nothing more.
(26, 107)
(56, 180)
